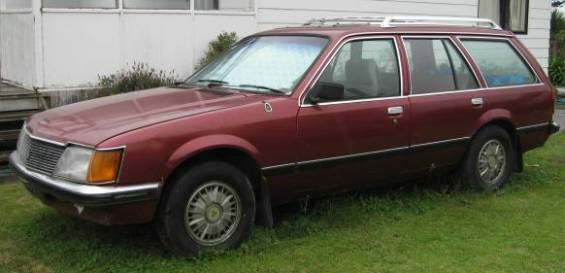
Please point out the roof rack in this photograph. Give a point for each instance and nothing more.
(391, 21)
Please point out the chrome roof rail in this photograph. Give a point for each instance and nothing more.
(391, 21)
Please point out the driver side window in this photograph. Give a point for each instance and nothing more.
(366, 69)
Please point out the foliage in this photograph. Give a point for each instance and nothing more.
(216, 47)
(557, 34)
(557, 3)
(557, 71)
(138, 77)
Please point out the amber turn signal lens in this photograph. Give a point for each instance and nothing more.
(104, 166)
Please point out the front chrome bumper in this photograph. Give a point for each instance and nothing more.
(80, 194)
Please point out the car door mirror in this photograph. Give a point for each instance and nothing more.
(326, 91)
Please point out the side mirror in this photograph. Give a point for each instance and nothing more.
(326, 91)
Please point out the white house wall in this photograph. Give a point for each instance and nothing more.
(537, 39)
(17, 62)
(80, 46)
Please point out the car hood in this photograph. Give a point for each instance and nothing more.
(91, 122)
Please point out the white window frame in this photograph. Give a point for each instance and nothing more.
(121, 10)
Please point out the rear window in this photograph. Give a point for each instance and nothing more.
(499, 62)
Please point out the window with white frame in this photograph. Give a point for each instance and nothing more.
(81, 4)
(223, 5)
(509, 14)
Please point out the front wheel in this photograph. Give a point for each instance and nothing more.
(489, 160)
(209, 207)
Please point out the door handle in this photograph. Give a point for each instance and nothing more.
(477, 101)
(395, 111)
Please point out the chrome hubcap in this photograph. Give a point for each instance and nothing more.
(492, 161)
(213, 213)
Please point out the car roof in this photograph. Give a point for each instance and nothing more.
(351, 30)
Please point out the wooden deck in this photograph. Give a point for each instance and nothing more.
(16, 105)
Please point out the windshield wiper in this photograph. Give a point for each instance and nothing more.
(213, 82)
(262, 87)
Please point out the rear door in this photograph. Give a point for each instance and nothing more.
(446, 100)
(362, 136)
(514, 87)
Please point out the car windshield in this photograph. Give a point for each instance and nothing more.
(270, 64)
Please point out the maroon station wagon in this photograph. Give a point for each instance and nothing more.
(334, 105)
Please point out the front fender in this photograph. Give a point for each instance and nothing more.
(206, 143)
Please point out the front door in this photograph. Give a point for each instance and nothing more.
(363, 134)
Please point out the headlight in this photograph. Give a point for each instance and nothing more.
(81, 164)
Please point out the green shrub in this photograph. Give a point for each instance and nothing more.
(557, 71)
(138, 77)
(216, 47)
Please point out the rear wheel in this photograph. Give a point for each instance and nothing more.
(489, 161)
(209, 207)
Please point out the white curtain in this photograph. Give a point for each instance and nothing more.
(206, 5)
(517, 15)
(490, 9)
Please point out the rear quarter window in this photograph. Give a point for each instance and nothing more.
(499, 62)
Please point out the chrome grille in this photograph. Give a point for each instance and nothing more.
(39, 156)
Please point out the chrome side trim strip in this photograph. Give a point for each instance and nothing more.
(392, 150)
(533, 127)
(352, 101)
(344, 157)
(448, 141)
(272, 169)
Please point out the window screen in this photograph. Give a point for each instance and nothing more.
(500, 63)
(161, 4)
(437, 66)
(77, 4)
(367, 69)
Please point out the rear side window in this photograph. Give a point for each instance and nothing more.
(499, 62)
(437, 66)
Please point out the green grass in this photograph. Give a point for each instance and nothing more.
(422, 228)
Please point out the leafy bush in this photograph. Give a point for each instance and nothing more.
(216, 47)
(557, 37)
(557, 71)
(138, 77)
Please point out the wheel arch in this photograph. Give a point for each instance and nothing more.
(501, 118)
(229, 149)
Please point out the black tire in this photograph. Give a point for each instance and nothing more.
(170, 223)
(470, 167)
